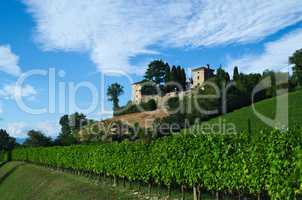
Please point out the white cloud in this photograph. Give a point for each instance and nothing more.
(274, 57)
(20, 129)
(217, 22)
(49, 128)
(13, 91)
(1, 109)
(9, 61)
(114, 32)
(17, 129)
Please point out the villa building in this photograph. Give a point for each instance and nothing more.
(199, 76)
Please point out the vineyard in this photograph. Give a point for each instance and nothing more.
(266, 163)
(3, 157)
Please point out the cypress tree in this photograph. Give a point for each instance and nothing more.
(183, 79)
(236, 74)
(173, 77)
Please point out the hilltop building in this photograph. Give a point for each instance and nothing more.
(199, 76)
(136, 92)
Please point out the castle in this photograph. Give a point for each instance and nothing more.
(199, 76)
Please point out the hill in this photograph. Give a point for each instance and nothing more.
(267, 108)
(20, 140)
(148, 117)
(21, 181)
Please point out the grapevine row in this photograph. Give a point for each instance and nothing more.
(266, 162)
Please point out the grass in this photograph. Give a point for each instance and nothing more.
(22, 181)
(267, 108)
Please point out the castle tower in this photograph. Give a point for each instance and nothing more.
(136, 92)
(200, 75)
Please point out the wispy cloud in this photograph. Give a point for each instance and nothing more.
(114, 32)
(17, 129)
(9, 61)
(49, 128)
(13, 91)
(275, 55)
(216, 22)
(20, 129)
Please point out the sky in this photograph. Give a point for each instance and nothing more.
(59, 56)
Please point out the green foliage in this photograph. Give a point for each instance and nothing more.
(149, 105)
(177, 79)
(65, 127)
(3, 156)
(113, 93)
(238, 92)
(173, 103)
(70, 126)
(235, 73)
(157, 71)
(239, 118)
(134, 108)
(77, 121)
(6, 142)
(217, 162)
(37, 139)
(296, 60)
(129, 108)
(221, 76)
(149, 88)
(39, 183)
(166, 78)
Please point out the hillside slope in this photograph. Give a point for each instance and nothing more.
(20, 181)
(144, 119)
(267, 108)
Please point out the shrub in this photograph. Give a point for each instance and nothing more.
(134, 108)
(173, 103)
(149, 105)
(3, 156)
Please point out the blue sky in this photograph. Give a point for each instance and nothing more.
(82, 40)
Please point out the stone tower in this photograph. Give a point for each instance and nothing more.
(136, 92)
(200, 75)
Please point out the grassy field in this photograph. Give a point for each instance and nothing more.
(22, 181)
(266, 107)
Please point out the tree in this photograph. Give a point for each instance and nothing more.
(179, 77)
(296, 60)
(70, 126)
(173, 77)
(77, 121)
(65, 137)
(6, 142)
(113, 92)
(167, 77)
(37, 139)
(156, 71)
(183, 79)
(65, 127)
(236, 74)
(222, 76)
